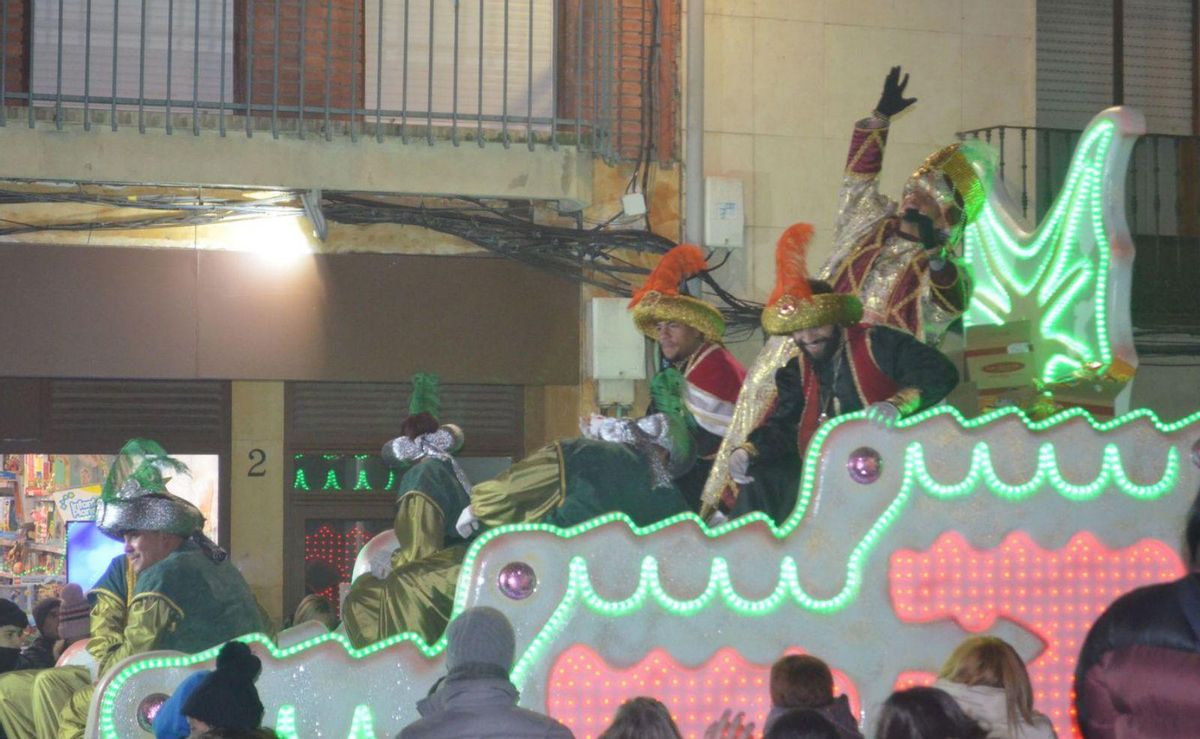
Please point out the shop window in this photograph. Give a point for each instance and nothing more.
(47, 503)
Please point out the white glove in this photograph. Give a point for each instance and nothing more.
(883, 414)
(467, 523)
(716, 519)
(739, 466)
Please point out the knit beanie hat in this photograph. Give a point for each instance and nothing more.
(74, 614)
(12, 615)
(42, 609)
(480, 635)
(227, 698)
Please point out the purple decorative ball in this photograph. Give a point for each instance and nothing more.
(1196, 453)
(517, 580)
(148, 709)
(865, 465)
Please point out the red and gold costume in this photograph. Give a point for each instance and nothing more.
(787, 395)
(900, 282)
(713, 375)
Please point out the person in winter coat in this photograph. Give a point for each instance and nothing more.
(802, 681)
(925, 713)
(226, 697)
(476, 698)
(803, 723)
(1138, 673)
(988, 680)
(13, 623)
(46, 647)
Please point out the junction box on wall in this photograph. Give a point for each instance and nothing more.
(616, 351)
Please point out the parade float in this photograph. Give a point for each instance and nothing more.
(1019, 522)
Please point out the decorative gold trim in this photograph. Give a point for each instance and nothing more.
(953, 163)
(155, 594)
(907, 400)
(561, 493)
(106, 591)
(655, 308)
(788, 315)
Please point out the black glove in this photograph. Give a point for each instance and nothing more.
(892, 100)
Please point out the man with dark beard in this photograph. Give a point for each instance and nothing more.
(902, 259)
(834, 365)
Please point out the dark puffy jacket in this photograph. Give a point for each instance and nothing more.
(479, 707)
(838, 712)
(1138, 674)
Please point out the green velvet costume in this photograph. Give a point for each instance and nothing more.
(564, 484)
(418, 593)
(572, 481)
(185, 602)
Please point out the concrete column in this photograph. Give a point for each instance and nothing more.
(256, 490)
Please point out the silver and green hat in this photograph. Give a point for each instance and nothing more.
(135, 496)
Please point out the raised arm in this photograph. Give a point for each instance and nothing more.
(860, 202)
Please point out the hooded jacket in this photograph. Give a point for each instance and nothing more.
(989, 708)
(482, 707)
(838, 712)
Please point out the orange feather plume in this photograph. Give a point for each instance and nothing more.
(677, 265)
(791, 263)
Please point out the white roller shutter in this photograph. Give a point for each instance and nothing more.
(1074, 61)
(126, 15)
(420, 96)
(1158, 63)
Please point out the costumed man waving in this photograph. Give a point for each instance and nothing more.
(689, 332)
(899, 259)
(820, 362)
(416, 593)
(173, 588)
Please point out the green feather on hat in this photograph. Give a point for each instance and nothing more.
(135, 495)
(425, 395)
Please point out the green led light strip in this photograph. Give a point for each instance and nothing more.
(916, 477)
(1054, 267)
(788, 587)
(363, 725)
(333, 480)
(285, 722)
(108, 701)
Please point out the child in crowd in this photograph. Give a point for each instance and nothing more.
(226, 698)
(802, 681)
(642, 718)
(13, 623)
(925, 713)
(988, 680)
(47, 647)
(802, 723)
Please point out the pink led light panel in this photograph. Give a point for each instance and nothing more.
(585, 691)
(1054, 594)
(332, 554)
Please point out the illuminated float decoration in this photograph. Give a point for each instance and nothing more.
(904, 540)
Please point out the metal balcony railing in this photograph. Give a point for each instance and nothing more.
(1162, 194)
(540, 72)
